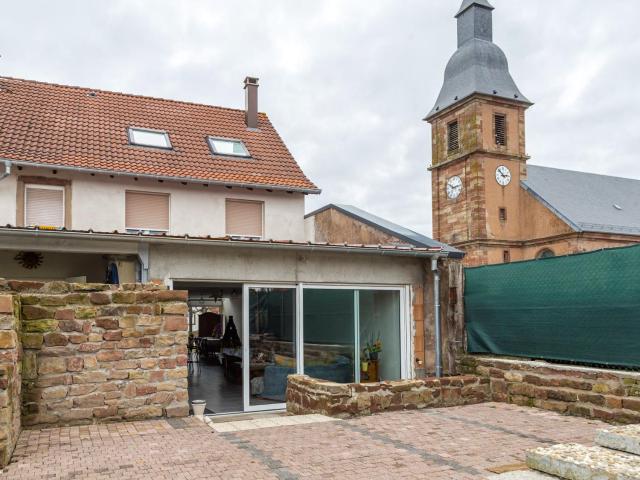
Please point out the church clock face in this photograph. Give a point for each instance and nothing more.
(503, 175)
(454, 187)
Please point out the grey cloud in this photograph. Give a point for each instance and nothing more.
(347, 82)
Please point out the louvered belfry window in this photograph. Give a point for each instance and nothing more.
(44, 206)
(500, 126)
(244, 218)
(147, 211)
(453, 139)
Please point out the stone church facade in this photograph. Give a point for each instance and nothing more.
(487, 200)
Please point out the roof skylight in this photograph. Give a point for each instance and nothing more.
(226, 146)
(149, 138)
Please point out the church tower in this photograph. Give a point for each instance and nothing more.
(478, 142)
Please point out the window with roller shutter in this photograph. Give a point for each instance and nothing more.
(147, 211)
(244, 218)
(44, 206)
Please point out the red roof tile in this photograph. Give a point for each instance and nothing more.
(64, 126)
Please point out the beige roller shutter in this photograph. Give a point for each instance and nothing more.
(147, 211)
(244, 218)
(44, 206)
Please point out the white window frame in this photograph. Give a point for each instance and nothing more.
(46, 187)
(130, 134)
(406, 331)
(262, 226)
(146, 230)
(211, 138)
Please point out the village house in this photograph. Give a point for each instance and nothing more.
(487, 200)
(109, 187)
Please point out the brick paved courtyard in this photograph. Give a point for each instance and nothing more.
(452, 443)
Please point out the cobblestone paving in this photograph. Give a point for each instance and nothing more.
(453, 443)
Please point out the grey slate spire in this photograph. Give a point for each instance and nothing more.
(479, 65)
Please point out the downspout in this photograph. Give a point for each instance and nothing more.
(7, 170)
(436, 314)
(143, 257)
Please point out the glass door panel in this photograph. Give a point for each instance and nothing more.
(380, 345)
(329, 319)
(271, 345)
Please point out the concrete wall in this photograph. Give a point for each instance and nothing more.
(55, 266)
(98, 203)
(243, 264)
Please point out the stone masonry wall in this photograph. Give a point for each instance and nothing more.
(608, 395)
(10, 378)
(96, 353)
(308, 395)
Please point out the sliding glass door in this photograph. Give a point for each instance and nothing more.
(352, 335)
(329, 329)
(334, 333)
(270, 345)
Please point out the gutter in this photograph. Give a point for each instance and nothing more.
(206, 242)
(7, 170)
(164, 177)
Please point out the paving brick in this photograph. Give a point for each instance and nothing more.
(460, 443)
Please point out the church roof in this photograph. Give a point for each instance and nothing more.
(586, 201)
(412, 238)
(479, 66)
(466, 4)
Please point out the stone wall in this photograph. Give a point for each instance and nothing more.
(96, 353)
(308, 395)
(609, 395)
(10, 378)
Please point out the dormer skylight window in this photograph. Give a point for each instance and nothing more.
(227, 146)
(149, 138)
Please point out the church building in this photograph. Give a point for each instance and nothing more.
(487, 200)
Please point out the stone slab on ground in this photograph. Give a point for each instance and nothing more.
(522, 475)
(578, 462)
(268, 422)
(625, 439)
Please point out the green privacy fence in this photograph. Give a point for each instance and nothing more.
(579, 308)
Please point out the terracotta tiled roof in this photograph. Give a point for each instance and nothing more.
(67, 127)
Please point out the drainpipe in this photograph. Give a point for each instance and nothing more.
(436, 314)
(7, 170)
(143, 257)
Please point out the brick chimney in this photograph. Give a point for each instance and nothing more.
(251, 102)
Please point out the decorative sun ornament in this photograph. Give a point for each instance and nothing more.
(29, 260)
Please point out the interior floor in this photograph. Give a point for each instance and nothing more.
(207, 382)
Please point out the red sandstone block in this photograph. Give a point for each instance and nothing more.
(631, 404)
(108, 323)
(100, 298)
(110, 356)
(156, 376)
(146, 389)
(112, 335)
(181, 360)
(167, 363)
(146, 342)
(173, 324)
(6, 304)
(75, 364)
(172, 295)
(89, 347)
(104, 412)
(24, 286)
(55, 340)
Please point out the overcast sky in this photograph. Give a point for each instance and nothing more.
(347, 82)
